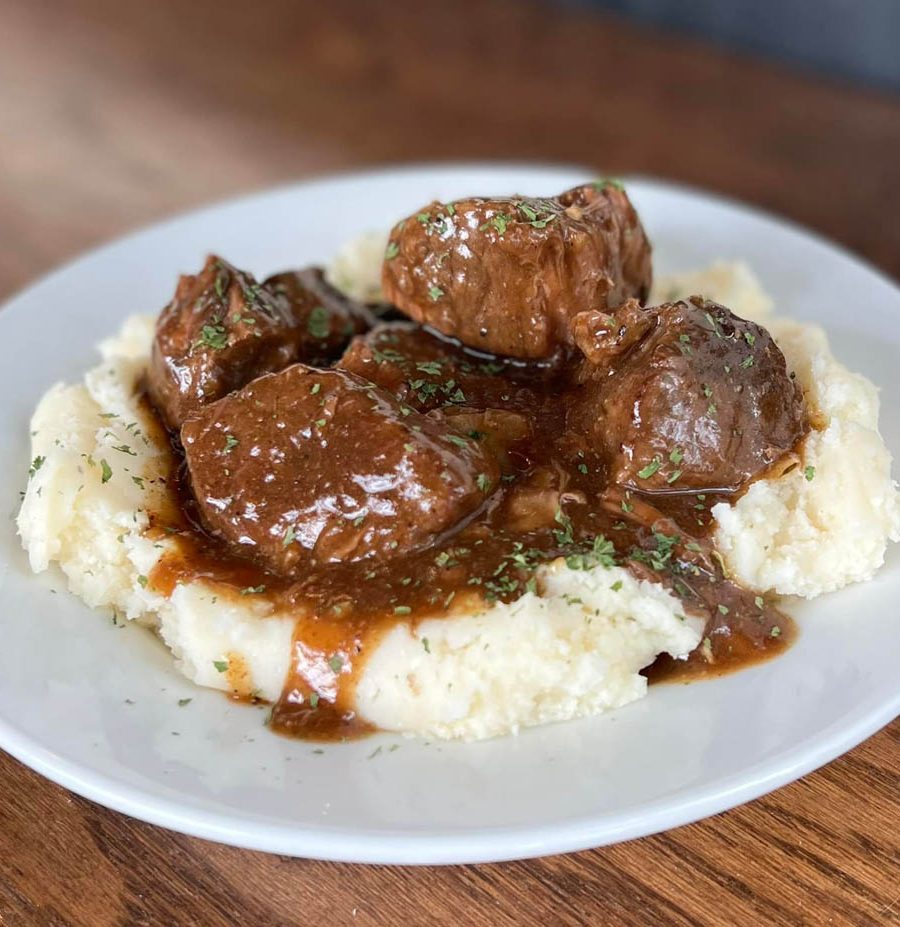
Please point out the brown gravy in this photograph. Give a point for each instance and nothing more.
(555, 501)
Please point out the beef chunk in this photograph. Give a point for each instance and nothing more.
(326, 318)
(319, 466)
(427, 372)
(684, 396)
(221, 329)
(507, 275)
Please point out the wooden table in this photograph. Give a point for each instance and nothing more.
(113, 114)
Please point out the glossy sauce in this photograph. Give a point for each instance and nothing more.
(554, 500)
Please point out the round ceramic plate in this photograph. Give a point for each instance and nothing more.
(95, 707)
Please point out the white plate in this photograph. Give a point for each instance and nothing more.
(95, 708)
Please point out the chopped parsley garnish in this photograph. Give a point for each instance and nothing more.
(220, 665)
(388, 356)
(758, 602)
(432, 368)
(392, 250)
(138, 481)
(317, 323)
(747, 361)
(650, 469)
(810, 473)
(602, 553)
(426, 645)
(105, 471)
(750, 338)
(315, 389)
(231, 442)
(435, 293)
(184, 701)
(124, 449)
(484, 482)
(36, 465)
(336, 662)
(314, 700)
(527, 211)
(142, 581)
(673, 476)
(564, 536)
(289, 536)
(775, 632)
(212, 335)
(723, 609)
(253, 590)
(219, 285)
(499, 222)
(660, 557)
(402, 609)
(676, 456)
(458, 440)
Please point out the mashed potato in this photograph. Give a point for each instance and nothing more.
(827, 522)
(575, 650)
(98, 462)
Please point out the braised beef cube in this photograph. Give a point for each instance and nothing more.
(684, 396)
(507, 275)
(220, 331)
(326, 319)
(427, 372)
(320, 466)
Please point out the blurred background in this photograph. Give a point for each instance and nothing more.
(114, 114)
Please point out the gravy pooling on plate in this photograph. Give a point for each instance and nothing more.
(362, 471)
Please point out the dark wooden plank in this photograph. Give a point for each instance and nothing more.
(115, 115)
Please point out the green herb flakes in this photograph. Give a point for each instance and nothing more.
(318, 323)
(36, 465)
(650, 469)
(213, 336)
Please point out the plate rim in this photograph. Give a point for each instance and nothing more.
(493, 844)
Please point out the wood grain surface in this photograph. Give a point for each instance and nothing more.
(114, 114)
